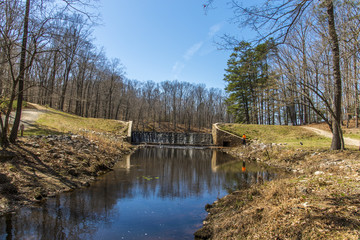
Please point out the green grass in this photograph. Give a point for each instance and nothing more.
(41, 131)
(290, 135)
(353, 134)
(57, 122)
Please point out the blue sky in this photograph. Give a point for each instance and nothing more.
(162, 40)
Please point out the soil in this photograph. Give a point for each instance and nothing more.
(320, 199)
(39, 167)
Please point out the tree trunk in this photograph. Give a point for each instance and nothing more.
(14, 130)
(356, 92)
(337, 140)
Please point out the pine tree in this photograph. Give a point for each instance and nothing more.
(247, 76)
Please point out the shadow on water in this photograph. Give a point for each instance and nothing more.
(156, 193)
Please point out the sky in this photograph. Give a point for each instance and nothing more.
(161, 40)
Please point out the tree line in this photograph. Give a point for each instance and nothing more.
(47, 56)
(301, 68)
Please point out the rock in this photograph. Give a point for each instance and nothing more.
(306, 204)
(318, 173)
(6, 155)
(8, 188)
(86, 151)
(208, 207)
(4, 179)
(73, 172)
(29, 144)
(68, 152)
(57, 155)
(86, 184)
(303, 189)
(203, 233)
(53, 150)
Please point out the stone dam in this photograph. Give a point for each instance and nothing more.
(172, 138)
(218, 138)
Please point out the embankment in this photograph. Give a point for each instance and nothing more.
(42, 166)
(318, 200)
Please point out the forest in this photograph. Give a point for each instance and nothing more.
(48, 56)
(302, 68)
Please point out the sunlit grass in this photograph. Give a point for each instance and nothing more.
(102, 131)
(353, 133)
(292, 136)
(53, 121)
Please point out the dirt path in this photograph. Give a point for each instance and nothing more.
(30, 115)
(348, 141)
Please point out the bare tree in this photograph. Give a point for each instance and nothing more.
(281, 19)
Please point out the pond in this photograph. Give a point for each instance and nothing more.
(156, 193)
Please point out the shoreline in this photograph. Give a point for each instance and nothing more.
(319, 200)
(40, 167)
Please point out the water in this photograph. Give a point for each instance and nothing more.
(157, 193)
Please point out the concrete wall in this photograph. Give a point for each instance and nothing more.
(224, 138)
(129, 130)
(172, 138)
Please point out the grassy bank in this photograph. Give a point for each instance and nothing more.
(319, 199)
(292, 136)
(59, 152)
(56, 122)
(111, 134)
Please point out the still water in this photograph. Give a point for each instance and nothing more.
(156, 193)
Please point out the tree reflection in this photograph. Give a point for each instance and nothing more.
(155, 173)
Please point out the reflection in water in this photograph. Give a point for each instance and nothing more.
(158, 193)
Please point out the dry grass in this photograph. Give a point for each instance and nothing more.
(109, 134)
(320, 202)
(43, 166)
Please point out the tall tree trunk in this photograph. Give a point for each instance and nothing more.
(14, 130)
(337, 140)
(356, 92)
(52, 80)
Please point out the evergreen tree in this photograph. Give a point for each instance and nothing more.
(247, 76)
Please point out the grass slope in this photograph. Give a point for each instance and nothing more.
(318, 199)
(37, 167)
(57, 122)
(289, 135)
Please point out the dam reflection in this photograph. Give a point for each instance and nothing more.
(157, 193)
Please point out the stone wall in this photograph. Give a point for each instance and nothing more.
(172, 138)
(224, 138)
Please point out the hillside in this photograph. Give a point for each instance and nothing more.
(319, 198)
(59, 152)
(291, 136)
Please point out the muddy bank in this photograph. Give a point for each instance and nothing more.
(39, 167)
(319, 200)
